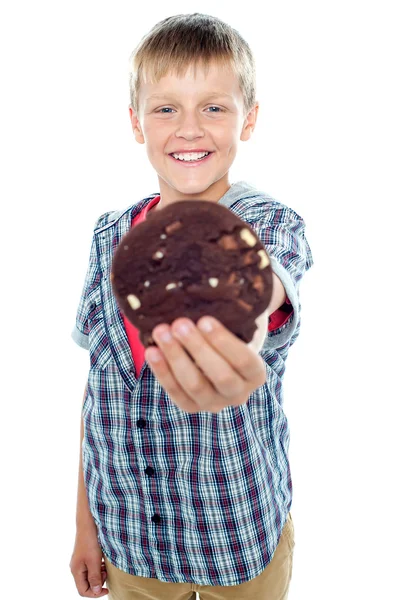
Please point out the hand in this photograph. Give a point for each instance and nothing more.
(87, 567)
(220, 370)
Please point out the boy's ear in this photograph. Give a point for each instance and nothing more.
(249, 123)
(138, 134)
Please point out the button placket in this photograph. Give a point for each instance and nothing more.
(114, 322)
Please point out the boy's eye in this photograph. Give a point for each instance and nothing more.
(218, 109)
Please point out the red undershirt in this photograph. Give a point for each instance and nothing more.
(278, 318)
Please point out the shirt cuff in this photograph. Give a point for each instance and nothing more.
(80, 338)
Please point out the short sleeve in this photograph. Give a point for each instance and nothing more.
(80, 332)
(282, 231)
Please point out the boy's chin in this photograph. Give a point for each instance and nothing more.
(189, 189)
(192, 189)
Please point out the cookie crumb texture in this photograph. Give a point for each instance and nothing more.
(190, 259)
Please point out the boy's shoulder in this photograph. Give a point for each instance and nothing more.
(111, 217)
(253, 205)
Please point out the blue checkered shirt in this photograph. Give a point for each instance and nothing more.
(192, 498)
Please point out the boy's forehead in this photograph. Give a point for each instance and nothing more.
(211, 94)
(217, 81)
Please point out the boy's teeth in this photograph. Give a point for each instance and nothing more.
(190, 155)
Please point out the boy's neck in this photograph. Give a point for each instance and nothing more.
(210, 195)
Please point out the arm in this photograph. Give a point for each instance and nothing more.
(86, 563)
(84, 518)
(278, 295)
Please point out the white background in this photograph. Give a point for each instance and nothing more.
(326, 144)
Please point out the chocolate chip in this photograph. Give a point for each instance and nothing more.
(133, 301)
(173, 227)
(228, 242)
(248, 237)
(264, 259)
(258, 284)
(245, 305)
(250, 258)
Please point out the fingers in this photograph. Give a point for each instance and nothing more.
(95, 572)
(89, 579)
(165, 375)
(225, 379)
(239, 355)
(227, 361)
(183, 373)
(202, 366)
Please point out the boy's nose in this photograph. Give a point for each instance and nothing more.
(189, 126)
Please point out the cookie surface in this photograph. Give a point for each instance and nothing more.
(190, 259)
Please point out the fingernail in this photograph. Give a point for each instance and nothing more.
(184, 329)
(153, 356)
(97, 589)
(205, 325)
(165, 335)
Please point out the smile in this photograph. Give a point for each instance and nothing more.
(191, 163)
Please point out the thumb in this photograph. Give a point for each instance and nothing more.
(103, 572)
(94, 577)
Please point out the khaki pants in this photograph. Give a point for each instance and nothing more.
(272, 584)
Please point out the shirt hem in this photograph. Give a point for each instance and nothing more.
(141, 573)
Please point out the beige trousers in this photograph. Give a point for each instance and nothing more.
(272, 584)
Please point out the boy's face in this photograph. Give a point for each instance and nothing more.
(193, 114)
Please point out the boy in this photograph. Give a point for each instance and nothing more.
(184, 479)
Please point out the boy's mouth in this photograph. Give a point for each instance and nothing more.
(190, 158)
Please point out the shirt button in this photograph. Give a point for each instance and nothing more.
(92, 306)
(155, 518)
(141, 423)
(149, 471)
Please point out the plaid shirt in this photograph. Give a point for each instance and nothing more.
(192, 498)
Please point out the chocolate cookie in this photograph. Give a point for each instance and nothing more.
(190, 259)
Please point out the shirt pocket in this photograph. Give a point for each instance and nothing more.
(99, 348)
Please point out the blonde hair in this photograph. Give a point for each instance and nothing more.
(177, 42)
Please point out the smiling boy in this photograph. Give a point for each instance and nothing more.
(184, 479)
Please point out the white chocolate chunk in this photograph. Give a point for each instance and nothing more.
(133, 301)
(213, 281)
(264, 259)
(248, 237)
(158, 254)
(163, 236)
(126, 247)
(147, 284)
(171, 286)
